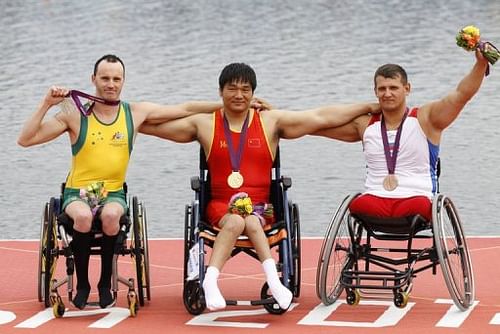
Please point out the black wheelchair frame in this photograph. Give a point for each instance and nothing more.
(285, 234)
(347, 255)
(55, 242)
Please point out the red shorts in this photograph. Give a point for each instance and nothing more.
(392, 207)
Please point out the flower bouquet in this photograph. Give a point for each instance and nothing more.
(469, 38)
(94, 194)
(241, 204)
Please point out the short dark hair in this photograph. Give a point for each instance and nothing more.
(391, 71)
(110, 59)
(238, 72)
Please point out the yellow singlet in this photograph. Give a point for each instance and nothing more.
(102, 151)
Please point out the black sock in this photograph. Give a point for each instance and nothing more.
(107, 253)
(105, 297)
(80, 299)
(80, 246)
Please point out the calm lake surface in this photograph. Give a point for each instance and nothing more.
(305, 53)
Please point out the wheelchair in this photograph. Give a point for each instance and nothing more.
(55, 241)
(350, 261)
(198, 234)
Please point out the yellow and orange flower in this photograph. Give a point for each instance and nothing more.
(469, 38)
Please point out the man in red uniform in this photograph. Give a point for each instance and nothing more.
(240, 145)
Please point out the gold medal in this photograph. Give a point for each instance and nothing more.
(235, 180)
(390, 182)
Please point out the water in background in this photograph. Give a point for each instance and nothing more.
(306, 54)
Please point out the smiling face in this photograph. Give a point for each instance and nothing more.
(237, 83)
(391, 92)
(108, 80)
(236, 96)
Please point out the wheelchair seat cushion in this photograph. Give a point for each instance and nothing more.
(67, 223)
(393, 225)
(274, 233)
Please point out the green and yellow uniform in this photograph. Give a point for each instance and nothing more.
(101, 153)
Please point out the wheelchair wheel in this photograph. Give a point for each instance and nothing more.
(271, 308)
(188, 236)
(140, 250)
(193, 297)
(47, 251)
(41, 257)
(334, 256)
(296, 250)
(192, 294)
(452, 251)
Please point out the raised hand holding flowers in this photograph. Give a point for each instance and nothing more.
(469, 38)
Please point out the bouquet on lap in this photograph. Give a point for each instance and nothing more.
(241, 204)
(95, 194)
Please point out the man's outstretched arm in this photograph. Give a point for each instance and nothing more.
(296, 124)
(156, 113)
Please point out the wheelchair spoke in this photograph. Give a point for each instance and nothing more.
(453, 254)
(334, 258)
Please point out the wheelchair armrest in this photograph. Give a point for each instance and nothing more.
(287, 182)
(195, 183)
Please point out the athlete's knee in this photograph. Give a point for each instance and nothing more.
(234, 224)
(253, 225)
(82, 220)
(110, 218)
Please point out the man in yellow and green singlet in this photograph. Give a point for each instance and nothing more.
(101, 145)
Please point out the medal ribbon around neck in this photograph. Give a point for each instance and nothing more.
(390, 159)
(235, 156)
(75, 94)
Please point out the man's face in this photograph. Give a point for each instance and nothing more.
(236, 96)
(391, 92)
(109, 80)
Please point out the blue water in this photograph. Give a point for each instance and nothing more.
(305, 53)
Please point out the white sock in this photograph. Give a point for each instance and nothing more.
(213, 297)
(282, 295)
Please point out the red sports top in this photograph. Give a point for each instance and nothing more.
(255, 167)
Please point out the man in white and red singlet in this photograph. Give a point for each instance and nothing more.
(401, 145)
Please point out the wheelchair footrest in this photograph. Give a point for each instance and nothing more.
(389, 280)
(257, 302)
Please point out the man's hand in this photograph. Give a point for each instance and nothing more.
(55, 95)
(260, 104)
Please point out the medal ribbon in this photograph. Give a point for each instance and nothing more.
(75, 94)
(391, 159)
(235, 156)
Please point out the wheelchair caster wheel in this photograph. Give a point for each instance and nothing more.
(132, 300)
(58, 309)
(194, 297)
(401, 299)
(271, 308)
(353, 297)
(133, 308)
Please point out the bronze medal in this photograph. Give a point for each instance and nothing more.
(390, 182)
(235, 180)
